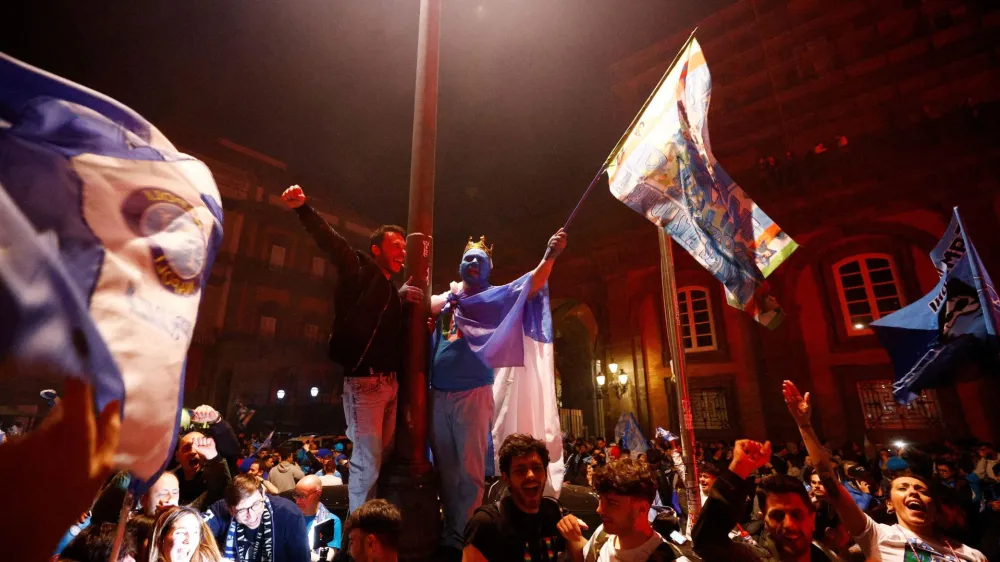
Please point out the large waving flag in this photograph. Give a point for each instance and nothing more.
(513, 334)
(664, 169)
(107, 235)
(956, 321)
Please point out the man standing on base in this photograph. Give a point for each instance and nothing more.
(463, 396)
(367, 337)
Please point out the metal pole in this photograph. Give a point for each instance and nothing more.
(674, 341)
(409, 482)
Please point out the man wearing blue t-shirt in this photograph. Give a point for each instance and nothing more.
(463, 391)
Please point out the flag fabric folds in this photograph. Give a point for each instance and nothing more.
(928, 339)
(512, 334)
(107, 235)
(628, 434)
(664, 169)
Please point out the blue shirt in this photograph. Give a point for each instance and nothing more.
(456, 367)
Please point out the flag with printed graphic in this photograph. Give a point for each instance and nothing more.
(107, 235)
(664, 169)
(956, 321)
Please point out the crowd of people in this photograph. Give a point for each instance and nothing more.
(804, 500)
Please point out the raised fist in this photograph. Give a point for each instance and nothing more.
(294, 197)
(205, 414)
(205, 447)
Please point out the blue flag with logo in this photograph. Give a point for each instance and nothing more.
(107, 235)
(929, 338)
(628, 434)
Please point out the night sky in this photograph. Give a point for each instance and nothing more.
(525, 95)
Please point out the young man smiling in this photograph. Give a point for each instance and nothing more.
(521, 526)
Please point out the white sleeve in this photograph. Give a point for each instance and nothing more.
(590, 543)
(869, 539)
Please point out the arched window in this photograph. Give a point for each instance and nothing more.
(868, 288)
(697, 325)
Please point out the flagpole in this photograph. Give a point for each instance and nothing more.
(674, 342)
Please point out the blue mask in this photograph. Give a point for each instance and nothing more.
(475, 269)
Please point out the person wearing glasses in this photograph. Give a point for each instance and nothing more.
(252, 526)
(307, 496)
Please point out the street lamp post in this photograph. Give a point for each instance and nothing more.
(409, 481)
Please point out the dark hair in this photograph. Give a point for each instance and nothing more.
(521, 445)
(910, 473)
(240, 488)
(709, 468)
(627, 477)
(94, 544)
(948, 463)
(379, 235)
(654, 456)
(140, 528)
(379, 518)
(286, 451)
(784, 484)
(205, 551)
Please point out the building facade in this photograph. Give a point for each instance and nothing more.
(856, 126)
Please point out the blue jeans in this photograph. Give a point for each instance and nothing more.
(459, 439)
(370, 409)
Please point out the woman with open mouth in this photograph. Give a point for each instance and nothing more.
(915, 535)
(180, 535)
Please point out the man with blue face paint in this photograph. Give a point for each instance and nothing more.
(463, 400)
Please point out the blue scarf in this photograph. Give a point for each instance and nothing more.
(238, 547)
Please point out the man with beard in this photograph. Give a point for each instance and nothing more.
(463, 398)
(251, 526)
(521, 526)
(915, 536)
(366, 338)
(789, 515)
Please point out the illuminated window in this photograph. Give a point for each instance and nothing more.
(709, 409)
(882, 412)
(267, 325)
(868, 290)
(318, 267)
(312, 333)
(277, 257)
(697, 326)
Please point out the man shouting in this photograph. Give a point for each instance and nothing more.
(367, 337)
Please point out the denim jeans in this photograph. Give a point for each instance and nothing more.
(459, 439)
(370, 409)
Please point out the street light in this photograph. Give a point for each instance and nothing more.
(613, 367)
(601, 379)
(314, 392)
(623, 379)
(280, 394)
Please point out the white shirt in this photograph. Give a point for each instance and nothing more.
(331, 480)
(610, 553)
(891, 543)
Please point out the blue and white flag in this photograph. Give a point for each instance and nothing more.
(628, 434)
(929, 338)
(513, 335)
(107, 235)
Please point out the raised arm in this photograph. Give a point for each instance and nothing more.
(340, 252)
(540, 275)
(854, 519)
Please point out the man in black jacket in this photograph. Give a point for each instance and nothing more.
(367, 337)
(789, 515)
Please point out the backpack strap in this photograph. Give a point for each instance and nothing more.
(663, 553)
(599, 540)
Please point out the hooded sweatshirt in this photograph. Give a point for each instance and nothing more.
(285, 475)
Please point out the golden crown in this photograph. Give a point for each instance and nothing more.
(481, 245)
